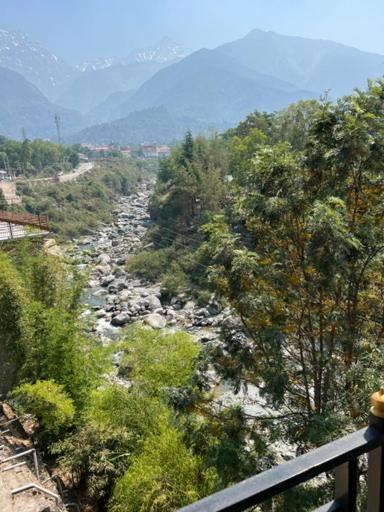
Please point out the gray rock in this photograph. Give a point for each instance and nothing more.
(203, 312)
(104, 259)
(120, 320)
(152, 302)
(189, 306)
(124, 296)
(155, 321)
(106, 280)
(116, 358)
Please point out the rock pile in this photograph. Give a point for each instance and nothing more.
(117, 298)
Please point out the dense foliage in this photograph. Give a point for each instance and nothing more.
(292, 239)
(29, 158)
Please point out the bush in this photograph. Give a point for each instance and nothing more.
(164, 477)
(160, 360)
(49, 403)
(148, 264)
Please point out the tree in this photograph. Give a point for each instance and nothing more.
(300, 258)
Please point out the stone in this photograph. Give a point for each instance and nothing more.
(155, 321)
(120, 320)
(152, 302)
(124, 296)
(124, 370)
(100, 313)
(104, 259)
(203, 312)
(117, 357)
(189, 306)
(106, 280)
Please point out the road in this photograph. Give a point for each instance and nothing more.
(9, 187)
(80, 170)
(70, 176)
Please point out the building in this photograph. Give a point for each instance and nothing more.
(163, 151)
(126, 152)
(149, 150)
(155, 151)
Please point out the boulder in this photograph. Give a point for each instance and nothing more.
(104, 259)
(124, 296)
(152, 302)
(120, 320)
(106, 280)
(189, 306)
(155, 321)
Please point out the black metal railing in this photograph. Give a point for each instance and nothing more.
(341, 456)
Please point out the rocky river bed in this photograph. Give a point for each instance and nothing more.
(113, 298)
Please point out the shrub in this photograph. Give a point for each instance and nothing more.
(149, 264)
(49, 403)
(160, 359)
(164, 477)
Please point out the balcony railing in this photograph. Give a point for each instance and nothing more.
(341, 456)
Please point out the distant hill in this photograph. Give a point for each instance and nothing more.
(22, 105)
(149, 125)
(38, 65)
(211, 87)
(91, 88)
(104, 77)
(311, 64)
(104, 111)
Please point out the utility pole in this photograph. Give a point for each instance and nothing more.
(23, 134)
(58, 127)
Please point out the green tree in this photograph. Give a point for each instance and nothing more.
(300, 258)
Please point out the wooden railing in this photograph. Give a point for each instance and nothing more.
(25, 219)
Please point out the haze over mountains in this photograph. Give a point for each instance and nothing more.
(156, 93)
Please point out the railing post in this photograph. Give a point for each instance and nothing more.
(376, 457)
(346, 485)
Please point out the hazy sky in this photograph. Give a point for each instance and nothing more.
(84, 29)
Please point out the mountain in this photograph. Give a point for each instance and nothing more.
(95, 65)
(39, 66)
(22, 105)
(103, 77)
(163, 52)
(93, 87)
(104, 111)
(211, 87)
(312, 64)
(149, 125)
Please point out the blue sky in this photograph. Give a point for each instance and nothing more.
(84, 29)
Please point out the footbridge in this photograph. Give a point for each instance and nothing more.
(21, 225)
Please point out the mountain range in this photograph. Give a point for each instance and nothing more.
(180, 89)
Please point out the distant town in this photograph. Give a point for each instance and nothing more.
(144, 150)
